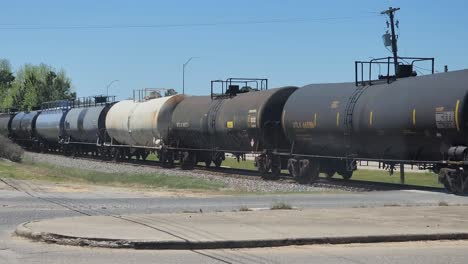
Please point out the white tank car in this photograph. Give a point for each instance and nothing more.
(141, 124)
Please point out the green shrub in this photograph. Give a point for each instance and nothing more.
(9, 150)
(281, 206)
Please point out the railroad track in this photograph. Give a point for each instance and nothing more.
(333, 183)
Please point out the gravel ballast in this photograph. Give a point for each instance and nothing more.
(234, 182)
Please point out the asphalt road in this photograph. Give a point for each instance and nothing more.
(17, 207)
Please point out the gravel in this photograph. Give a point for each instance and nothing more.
(234, 182)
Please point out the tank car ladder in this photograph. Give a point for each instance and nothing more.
(350, 105)
(348, 122)
(212, 115)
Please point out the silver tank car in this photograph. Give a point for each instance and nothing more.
(85, 124)
(141, 124)
(415, 118)
(5, 124)
(23, 125)
(49, 125)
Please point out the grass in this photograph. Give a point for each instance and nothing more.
(244, 209)
(391, 205)
(42, 171)
(412, 178)
(443, 203)
(281, 206)
(428, 179)
(232, 163)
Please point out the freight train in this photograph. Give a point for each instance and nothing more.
(317, 128)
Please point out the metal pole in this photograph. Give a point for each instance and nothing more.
(183, 79)
(183, 73)
(402, 173)
(391, 13)
(107, 87)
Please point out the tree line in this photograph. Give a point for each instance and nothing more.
(31, 85)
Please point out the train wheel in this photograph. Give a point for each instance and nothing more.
(218, 160)
(275, 172)
(162, 157)
(207, 163)
(308, 171)
(166, 158)
(188, 160)
(454, 180)
(346, 174)
(329, 172)
(115, 154)
(346, 169)
(170, 159)
(293, 167)
(144, 155)
(262, 166)
(275, 164)
(303, 176)
(73, 152)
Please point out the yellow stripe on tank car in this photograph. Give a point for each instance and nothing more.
(414, 117)
(371, 118)
(337, 119)
(457, 106)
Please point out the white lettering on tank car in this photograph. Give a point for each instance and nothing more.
(445, 119)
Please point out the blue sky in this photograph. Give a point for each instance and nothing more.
(295, 53)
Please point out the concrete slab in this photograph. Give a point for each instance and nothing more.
(254, 228)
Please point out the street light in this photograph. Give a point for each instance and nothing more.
(183, 73)
(107, 87)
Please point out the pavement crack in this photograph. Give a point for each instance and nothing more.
(152, 227)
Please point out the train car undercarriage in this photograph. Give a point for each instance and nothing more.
(305, 169)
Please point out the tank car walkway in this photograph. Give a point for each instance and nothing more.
(259, 228)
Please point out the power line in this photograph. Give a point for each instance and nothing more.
(181, 25)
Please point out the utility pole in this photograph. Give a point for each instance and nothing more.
(391, 13)
(183, 73)
(107, 87)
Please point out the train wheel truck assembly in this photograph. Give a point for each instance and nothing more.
(455, 176)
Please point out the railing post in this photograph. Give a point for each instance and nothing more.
(402, 173)
(362, 73)
(356, 72)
